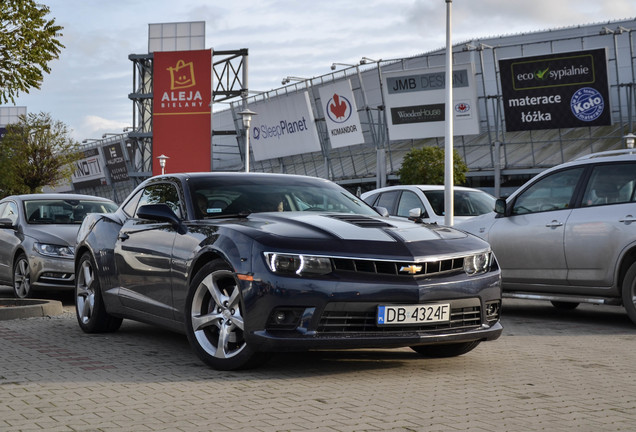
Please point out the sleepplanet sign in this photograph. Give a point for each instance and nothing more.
(556, 91)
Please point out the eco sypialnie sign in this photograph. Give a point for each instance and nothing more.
(555, 91)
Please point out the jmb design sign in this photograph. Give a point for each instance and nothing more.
(416, 99)
(556, 91)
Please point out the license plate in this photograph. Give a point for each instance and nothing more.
(413, 314)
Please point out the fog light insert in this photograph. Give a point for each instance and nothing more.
(493, 310)
(279, 317)
(284, 318)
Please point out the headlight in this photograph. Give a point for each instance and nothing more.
(478, 263)
(52, 250)
(302, 265)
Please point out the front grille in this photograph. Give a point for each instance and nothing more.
(399, 268)
(333, 322)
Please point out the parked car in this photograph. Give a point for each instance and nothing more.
(429, 199)
(37, 239)
(569, 234)
(247, 263)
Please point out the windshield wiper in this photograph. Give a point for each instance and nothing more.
(241, 214)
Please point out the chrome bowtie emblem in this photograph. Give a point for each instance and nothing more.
(412, 269)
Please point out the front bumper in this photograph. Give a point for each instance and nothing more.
(337, 314)
(51, 273)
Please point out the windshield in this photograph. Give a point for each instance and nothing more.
(64, 211)
(274, 195)
(466, 203)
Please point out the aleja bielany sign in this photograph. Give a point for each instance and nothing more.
(182, 90)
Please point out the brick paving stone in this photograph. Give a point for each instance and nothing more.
(550, 371)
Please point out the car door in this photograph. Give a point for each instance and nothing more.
(8, 241)
(143, 255)
(602, 226)
(528, 242)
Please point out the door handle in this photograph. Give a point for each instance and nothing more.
(554, 224)
(628, 219)
(123, 236)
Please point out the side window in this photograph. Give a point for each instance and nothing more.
(11, 211)
(387, 200)
(371, 199)
(3, 207)
(553, 192)
(610, 184)
(162, 193)
(131, 206)
(409, 201)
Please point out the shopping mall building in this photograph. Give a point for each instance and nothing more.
(521, 103)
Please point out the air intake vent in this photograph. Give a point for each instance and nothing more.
(361, 221)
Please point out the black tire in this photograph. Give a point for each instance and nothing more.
(22, 277)
(445, 350)
(564, 305)
(214, 319)
(629, 292)
(90, 310)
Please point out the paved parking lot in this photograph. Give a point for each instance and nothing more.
(550, 371)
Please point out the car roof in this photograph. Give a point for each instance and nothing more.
(595, 158)
(226, 174)
(57, 196)
(421, 187)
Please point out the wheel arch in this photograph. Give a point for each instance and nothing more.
(629, 258)
(203, 259)
(79, 252)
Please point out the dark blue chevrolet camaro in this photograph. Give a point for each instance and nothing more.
(246, 264)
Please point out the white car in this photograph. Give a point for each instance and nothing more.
(400, 200)
(569, 234)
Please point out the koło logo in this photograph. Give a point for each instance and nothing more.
(587, 104)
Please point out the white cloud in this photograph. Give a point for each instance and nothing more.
(89, 85)
(92, 126)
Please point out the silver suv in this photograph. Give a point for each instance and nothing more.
(569, 234)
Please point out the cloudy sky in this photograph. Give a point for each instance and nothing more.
(89, 85)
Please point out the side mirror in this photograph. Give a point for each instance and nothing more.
(500, 206)
(382, 211)
(415, 214)
(160, 213)
(6, 223)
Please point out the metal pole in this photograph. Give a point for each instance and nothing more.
(497, 166)
(448, 152)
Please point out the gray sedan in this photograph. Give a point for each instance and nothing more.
(37, 239)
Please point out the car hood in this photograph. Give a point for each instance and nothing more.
(63, 235)
(351, 234)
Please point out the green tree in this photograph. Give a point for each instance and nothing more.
(36, 152)
(426, 166)
(27, 44)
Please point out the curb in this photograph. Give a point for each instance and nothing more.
(28, 308)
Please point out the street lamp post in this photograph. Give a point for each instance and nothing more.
(162, 162)
(629, 139)
(246, 115)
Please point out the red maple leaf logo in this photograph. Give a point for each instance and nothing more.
(338, 107)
